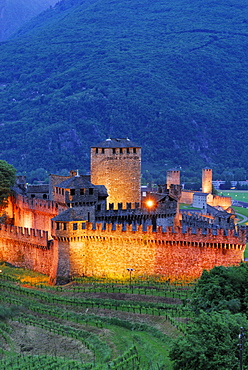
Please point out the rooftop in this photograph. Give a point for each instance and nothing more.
(67, 216)
(76, 182)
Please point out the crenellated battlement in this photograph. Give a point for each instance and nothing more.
(109, 249)
(38, 205)
(210, 237)
(26, 247)
(23, 234)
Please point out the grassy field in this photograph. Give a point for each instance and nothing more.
(235, 194)
(88, 324)
(188, 207)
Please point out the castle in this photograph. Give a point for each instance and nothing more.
(99, 225)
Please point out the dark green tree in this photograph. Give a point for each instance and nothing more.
(222, 288)
(220, 302)
(211, 343)
(7, 180)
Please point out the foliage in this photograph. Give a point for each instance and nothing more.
(7, 180)
(222, 288)
(211, 343)
(169, 74)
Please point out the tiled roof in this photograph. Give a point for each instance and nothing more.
(76, 182)
(116, 143)
(68, 215)
(43, 188)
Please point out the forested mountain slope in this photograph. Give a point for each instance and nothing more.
(170, 74)
(14, 13)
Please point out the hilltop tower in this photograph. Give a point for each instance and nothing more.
(172, 178)
(207, 180)
(116, 163)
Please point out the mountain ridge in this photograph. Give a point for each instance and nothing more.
(171, 75)
(15, 13)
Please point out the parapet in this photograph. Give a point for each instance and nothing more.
(41, 205)
(177, 234)
(23, 234)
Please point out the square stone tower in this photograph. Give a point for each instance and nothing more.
(207, 180)
(172, 178)
(116, 163)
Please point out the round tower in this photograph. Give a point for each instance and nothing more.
(172, 178)
(207, 180)
(116, 163)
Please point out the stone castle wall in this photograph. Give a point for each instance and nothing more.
(31, 213)
(224, 202)
(84, 250)
(175, 255)
(109, 252)
(27, 248)
(187, 196)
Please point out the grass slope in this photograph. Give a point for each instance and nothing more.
(172, 75)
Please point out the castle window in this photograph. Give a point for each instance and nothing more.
(64, 226)
(134, 150)
(96, 150)
(81, 191)
(102, 150)
(57, 225)
(99, 207)
(74, 226)
(32, 195)
(44, 196)
(128, 151)
(114, 151)
(121, 150)
(62, 191)
(91, 191)
(72, 191)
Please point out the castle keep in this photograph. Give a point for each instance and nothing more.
(116, 164)
(99, 225)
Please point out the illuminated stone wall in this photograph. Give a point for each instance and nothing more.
(187, 196)
(109, 253)
(27, 248)
(119, 169)
(31, 212)
(175, 255)
(224, 202)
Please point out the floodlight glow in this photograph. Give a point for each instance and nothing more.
(149, 203)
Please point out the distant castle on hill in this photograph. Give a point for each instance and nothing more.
(101, 225)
